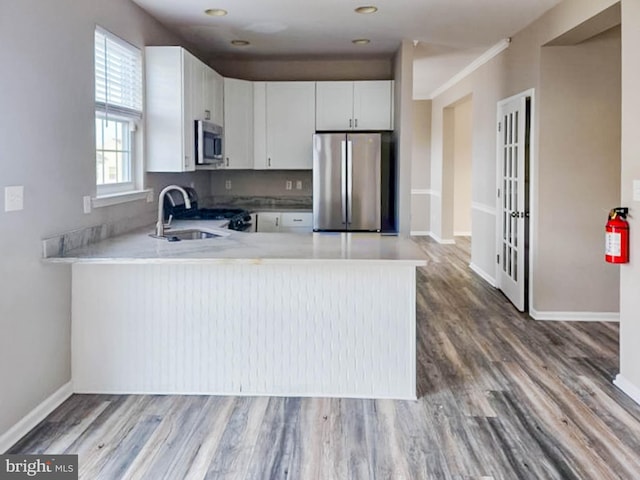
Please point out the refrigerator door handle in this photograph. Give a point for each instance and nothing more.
(349, 180)
(343, 183)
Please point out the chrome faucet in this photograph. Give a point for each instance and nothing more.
(187, 203)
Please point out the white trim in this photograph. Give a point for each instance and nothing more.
(481, 207)
(420, 233)
(422, 191)
(462, 234)
(124, 197)
(34, 417)
(575, 316)
(484, 275)
(628, 388)
(435, 193)
(442, 241)
(473, 66)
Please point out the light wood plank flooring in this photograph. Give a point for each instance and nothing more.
(501, 396)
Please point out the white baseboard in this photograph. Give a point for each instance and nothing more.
(628, 388)
(484, 275)
(462, 234)
(35, 416)
(442, 241)
(575, 316)
(420, 233)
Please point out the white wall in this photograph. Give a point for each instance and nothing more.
(46, 145)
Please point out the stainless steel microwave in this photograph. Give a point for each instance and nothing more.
(209, 143)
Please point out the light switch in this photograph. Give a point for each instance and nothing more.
(636, 190)
(287, 185)
(227, 184)
(86, 204)
(13, 198)
(298, 184)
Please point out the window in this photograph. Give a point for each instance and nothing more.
(118, 83)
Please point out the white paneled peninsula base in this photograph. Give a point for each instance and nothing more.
(317, 315)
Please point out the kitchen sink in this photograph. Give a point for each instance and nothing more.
(190, 234)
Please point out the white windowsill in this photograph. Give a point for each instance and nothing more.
(124, 197)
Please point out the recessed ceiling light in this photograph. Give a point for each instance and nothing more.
(360, 41)
(216, 12)
(366, 9)
(240, 43)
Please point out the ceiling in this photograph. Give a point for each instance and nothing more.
(450, 33)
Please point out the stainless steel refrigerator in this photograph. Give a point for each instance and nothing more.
(346, 181)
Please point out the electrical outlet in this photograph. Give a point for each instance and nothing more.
(288, 185)
(150, 196)
(227, 184)
(13, 198)
(298, 184)
(86, 204)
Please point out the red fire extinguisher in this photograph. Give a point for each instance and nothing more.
(617, 236)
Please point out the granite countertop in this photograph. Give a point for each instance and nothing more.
(247, 248)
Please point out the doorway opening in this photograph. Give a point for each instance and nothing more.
(457, 169)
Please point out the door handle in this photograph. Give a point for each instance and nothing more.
(343, 181)
(514, 214)
(350, 181)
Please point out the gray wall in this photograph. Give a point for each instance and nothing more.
(420, 173)
(630, 273)
(515, 70)
(403, 133)
(261, 183)
(46, 144)
(579, 174)
(311, 69)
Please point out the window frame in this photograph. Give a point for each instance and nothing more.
(103, 109)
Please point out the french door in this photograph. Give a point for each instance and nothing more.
(512, 198)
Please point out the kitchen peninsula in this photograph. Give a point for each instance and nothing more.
(245, 314)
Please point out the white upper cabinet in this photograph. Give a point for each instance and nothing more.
(360, 105)
(259, 125)
(179, 89)
(238, 124)
(334, 105)
(169, 115)
(214, 95)
(289, 112)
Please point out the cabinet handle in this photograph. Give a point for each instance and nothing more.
(207, 114)
(227, 161)
(356, 123)
(277, 219)
(268, 162)
(350, 123)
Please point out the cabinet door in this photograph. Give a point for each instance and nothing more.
(268, 222)
(238, 124)
(259, 125)
(372, 105)
(334, 105)
(290, 124)
(192, 94)
(296, 222)
(215, 96)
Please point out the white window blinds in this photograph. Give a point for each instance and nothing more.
(118, 75)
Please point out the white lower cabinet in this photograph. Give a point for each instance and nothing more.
(289, 222)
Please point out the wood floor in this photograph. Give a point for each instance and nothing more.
(501, 396)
